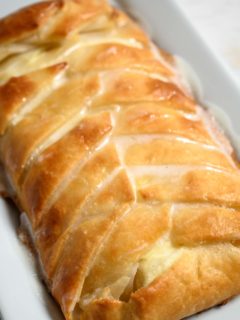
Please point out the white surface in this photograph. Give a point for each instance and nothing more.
(219, 23)
(21, 294)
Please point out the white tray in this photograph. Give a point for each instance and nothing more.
(22, 295)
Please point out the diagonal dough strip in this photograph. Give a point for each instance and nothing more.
(44, 121)
(81, 190)
(106, 209)
(194, 185)
(20, 95)
(69, 151)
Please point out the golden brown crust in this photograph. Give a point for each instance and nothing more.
(79, 14)
(197, 281)
(19, 90)
(27, 21)
(68, 271)
(44, 177)
(209, 224)
(19, 145)
(61, 16)
(105, 309)
(128, 86)
(110, 56)
(140, 229)
(131, 192)
(54, 226)
(195, 186)
(153, 118)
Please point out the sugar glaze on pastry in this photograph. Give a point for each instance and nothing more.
(131, 190)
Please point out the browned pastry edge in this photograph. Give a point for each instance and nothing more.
(28, 20)
(32, 20)
(19, 90)
(183, 290)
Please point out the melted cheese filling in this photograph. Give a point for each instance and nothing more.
(159, 259)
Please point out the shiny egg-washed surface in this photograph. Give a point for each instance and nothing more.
(131, 190)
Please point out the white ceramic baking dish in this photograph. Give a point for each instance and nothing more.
(22, 295)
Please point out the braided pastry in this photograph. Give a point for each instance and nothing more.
(131, 190)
